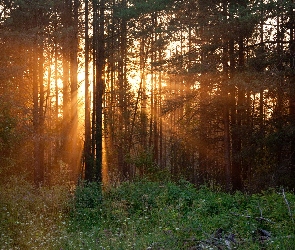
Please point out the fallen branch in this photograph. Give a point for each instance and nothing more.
(218, 239)
(261, 218)
(287, 203)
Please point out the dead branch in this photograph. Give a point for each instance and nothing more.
(261, 218)
(288, 205)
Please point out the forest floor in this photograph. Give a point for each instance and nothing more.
(144, 215)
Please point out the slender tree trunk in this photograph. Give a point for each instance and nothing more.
(234, 127)
(143, 113)
(123, 116)
(237, 140)
(36, 139)
(292, 93)
(87, 145)
(66, 19)
(241, 115)
(41, 110)
(74, 157)
(99, 64)
(203, 127)
(38, 104)
(227, 162)
(94, 83)
(57, 139)
(261, 94)
(226, 113)
(48, 110)
(278, 109)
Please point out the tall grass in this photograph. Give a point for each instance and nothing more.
(32, 218)
(153, 215)
(143, 215)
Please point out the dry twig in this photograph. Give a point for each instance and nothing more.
(256, 218)
(288, 205)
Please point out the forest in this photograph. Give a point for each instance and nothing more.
(118, 117)
(110, 91)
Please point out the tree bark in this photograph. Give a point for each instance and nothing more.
(87, 146)
(292, 94)
(74, 152)
(99, 65)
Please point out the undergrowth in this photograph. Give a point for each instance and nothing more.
(32, 218)
(144, 215)
(153, 215)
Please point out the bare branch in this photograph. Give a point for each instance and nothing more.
(287, 203)
(256, 218)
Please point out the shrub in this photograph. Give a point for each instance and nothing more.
(86, 204)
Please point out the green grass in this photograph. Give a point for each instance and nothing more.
(30, 218)
(143, 215)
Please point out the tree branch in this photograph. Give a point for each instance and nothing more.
(288, 205)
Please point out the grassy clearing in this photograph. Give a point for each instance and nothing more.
(30, 218)
(145, 215)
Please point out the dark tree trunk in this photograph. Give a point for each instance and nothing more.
(123, 116)
(66, 19)
(99, 65)
(74, 152)
(36, 119)
(41, 110)
(292, 93)
(38, 104)
(226, 110)
(87, 146)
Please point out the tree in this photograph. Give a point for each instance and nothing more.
(201, 90)
(87, 145)
(99, 65)
(292, 89)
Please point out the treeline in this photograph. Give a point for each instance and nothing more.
(201, 90)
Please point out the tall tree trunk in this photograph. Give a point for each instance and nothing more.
(99, 65)
(57, 139)
(38, 104)
(48, 110)
(234, 127)
(226, 113)
(261, 90)
(123, 117)
(227, 161)
(87, 145)
(66, 19)
(41, 109)
(74, 157)
(36, 119)
(292, 93)
(241, 113)
(203, 147)
(278, 109)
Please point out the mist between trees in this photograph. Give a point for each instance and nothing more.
(110, 90)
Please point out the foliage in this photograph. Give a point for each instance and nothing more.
(143, 215)
(140, 7)
(87, 203)
(14, 116)
(8, 135)
(143, 161)
(155, 215)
